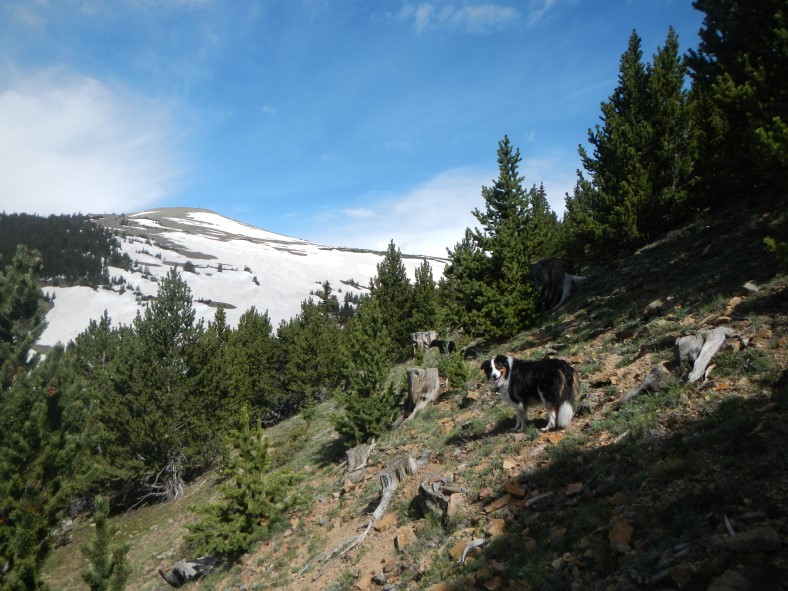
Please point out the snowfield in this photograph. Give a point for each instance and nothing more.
(235, 264)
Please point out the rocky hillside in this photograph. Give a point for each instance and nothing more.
(684, 487)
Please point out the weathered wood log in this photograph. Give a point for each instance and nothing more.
(698, 350)
(395, 472)
(357, 456)
(423, 388)
(656, 380)
(421, 340)
(431, 500)
(188, 570)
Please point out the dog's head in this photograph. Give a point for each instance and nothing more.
(497, 370)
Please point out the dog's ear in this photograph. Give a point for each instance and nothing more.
(487, 366)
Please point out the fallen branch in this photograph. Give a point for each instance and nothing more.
(538, 498)
(698, 349)
(476, 543)
(394, 473)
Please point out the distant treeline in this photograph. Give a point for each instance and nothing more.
(73, 248)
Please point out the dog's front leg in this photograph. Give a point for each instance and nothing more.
(520, 426)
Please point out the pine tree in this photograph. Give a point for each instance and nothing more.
(42, 463)
(368, 407)
(21, 319)
(617, 166)
(641, 170)
(109, 568)
(740, 91)
(391, 288)
(580, 231)
(312, 352)
(425, 299)
(162, 375)
(255, 499)
(542, 232)
(495, 293)
(668, 155)
(461, 289)
(213, 403)
(253, 359)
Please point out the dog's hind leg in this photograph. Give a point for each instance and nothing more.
(551, 416)
(565, 413)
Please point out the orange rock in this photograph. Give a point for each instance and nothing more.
(404, 537)
(495, 528)
(385, 522)
(364, 583)
(498, 504)
(459, 547)
(514, 489)
(620, 531)
(493, 584)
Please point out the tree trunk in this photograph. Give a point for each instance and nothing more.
(422, 340)
(423, 388)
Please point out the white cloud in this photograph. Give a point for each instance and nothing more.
(423, 220)
(537, 10)
(432, 217)
(478, 18)
(360, 212)
(73, 144)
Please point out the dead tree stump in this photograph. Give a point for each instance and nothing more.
(422, 340)
(357, 461)
(423, 388)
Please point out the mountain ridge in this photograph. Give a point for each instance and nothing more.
(234, 264)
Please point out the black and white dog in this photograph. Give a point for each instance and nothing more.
(552, 381)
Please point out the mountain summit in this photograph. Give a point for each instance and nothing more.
(222, 260)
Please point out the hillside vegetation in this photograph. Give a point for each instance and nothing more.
(647, 496)
(678, 220)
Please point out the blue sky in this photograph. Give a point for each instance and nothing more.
(344, 122)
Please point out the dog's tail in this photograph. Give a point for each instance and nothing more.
(569, 390)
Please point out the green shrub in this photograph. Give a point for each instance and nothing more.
(254, 498)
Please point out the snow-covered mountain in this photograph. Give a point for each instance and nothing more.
(234, 264)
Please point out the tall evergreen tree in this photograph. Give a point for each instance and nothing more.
(488, 278)
(163, 379)
(425, 299)
(579, 230)
(212, 400)
(21, 318)
(542, 232)
(312, 351)
(741, 90)
(461, 289)
(42, 463)
(253, 360)
(391, 288)
(640, 171)
(668, 155)
(368, 407)
(619, 175)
